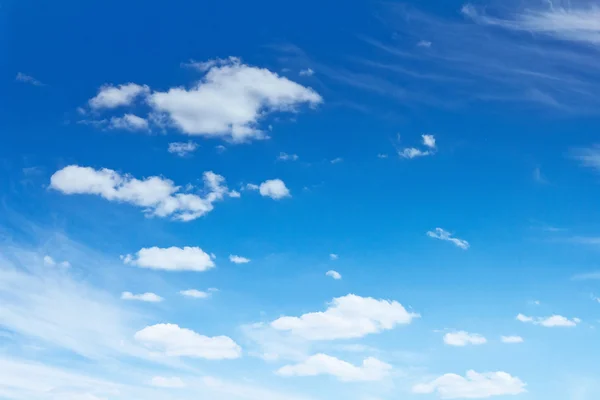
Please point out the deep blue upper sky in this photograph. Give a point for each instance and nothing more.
(378, 160)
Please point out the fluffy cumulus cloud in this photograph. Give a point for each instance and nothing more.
(167, 382)
(171, 259)
(413, 152)
(110, 96)
(129, 122)
(549, 322)
(181, 342)
(473, 386)
(158, 196)
(371, 369)
(147, 297)
(238, 259)
(334, 274)
(462, 338)
(511, 339)
(273, 188)
(350, 316)
(441, 234)
(230, 100)
(182, 149)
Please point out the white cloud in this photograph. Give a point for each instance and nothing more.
(147, 297)
(238, 259)
(230, 100)
(274, 188)
(587, 156)
(197, 294)
(110, 96)
(511, 339)
(382, 155)
(444, 235)
(167, 382)
(171, 259)
(337, 160)
(129, 122)
(21, 77)
(424, 43)
(347, 317)
(182, 149)
(462, 338)
(158, 196)
(549, 322)
(49, 261)
(307, 72)
(333, 256)
(429, 141)
(577, 23)
(334, 274)
(411, 152)
(181, 342)
(322, 364)
(474, 386)
(287, 157)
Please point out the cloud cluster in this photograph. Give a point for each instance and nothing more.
(350, 316)
(181, 342)
(171, 259)
(473, 386)
(462, 338)
(273, 188)
(158, 196)
(549, 322)
(413, 152)
(147, 297)
(230, 100)
(371, 369)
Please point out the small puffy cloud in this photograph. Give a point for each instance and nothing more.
(196, 294)
(21, 77)
(171, 259)
(158, 196)
(346, 317)
(274, 188)
(337, 160)
(230, 100)
(333, 256)
(110, 96)
(287, 157)
(473, 386)
(429, 141)
(238, 259)
(181, 342)
(441, 234)
(167, 382)
(220, 148)
(462, 338)
(182, 149)
(50, 262)
(411, 152)
(334, 274)
(511, 339)
(424, 43)
(549, 322)
(129, 122)
(307, 72)
(382, 155)
(371, 369)
(147, 297)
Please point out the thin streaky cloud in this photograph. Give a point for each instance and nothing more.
(21, 77)
(441, 234)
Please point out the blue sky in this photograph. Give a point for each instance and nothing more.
(300, 201)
